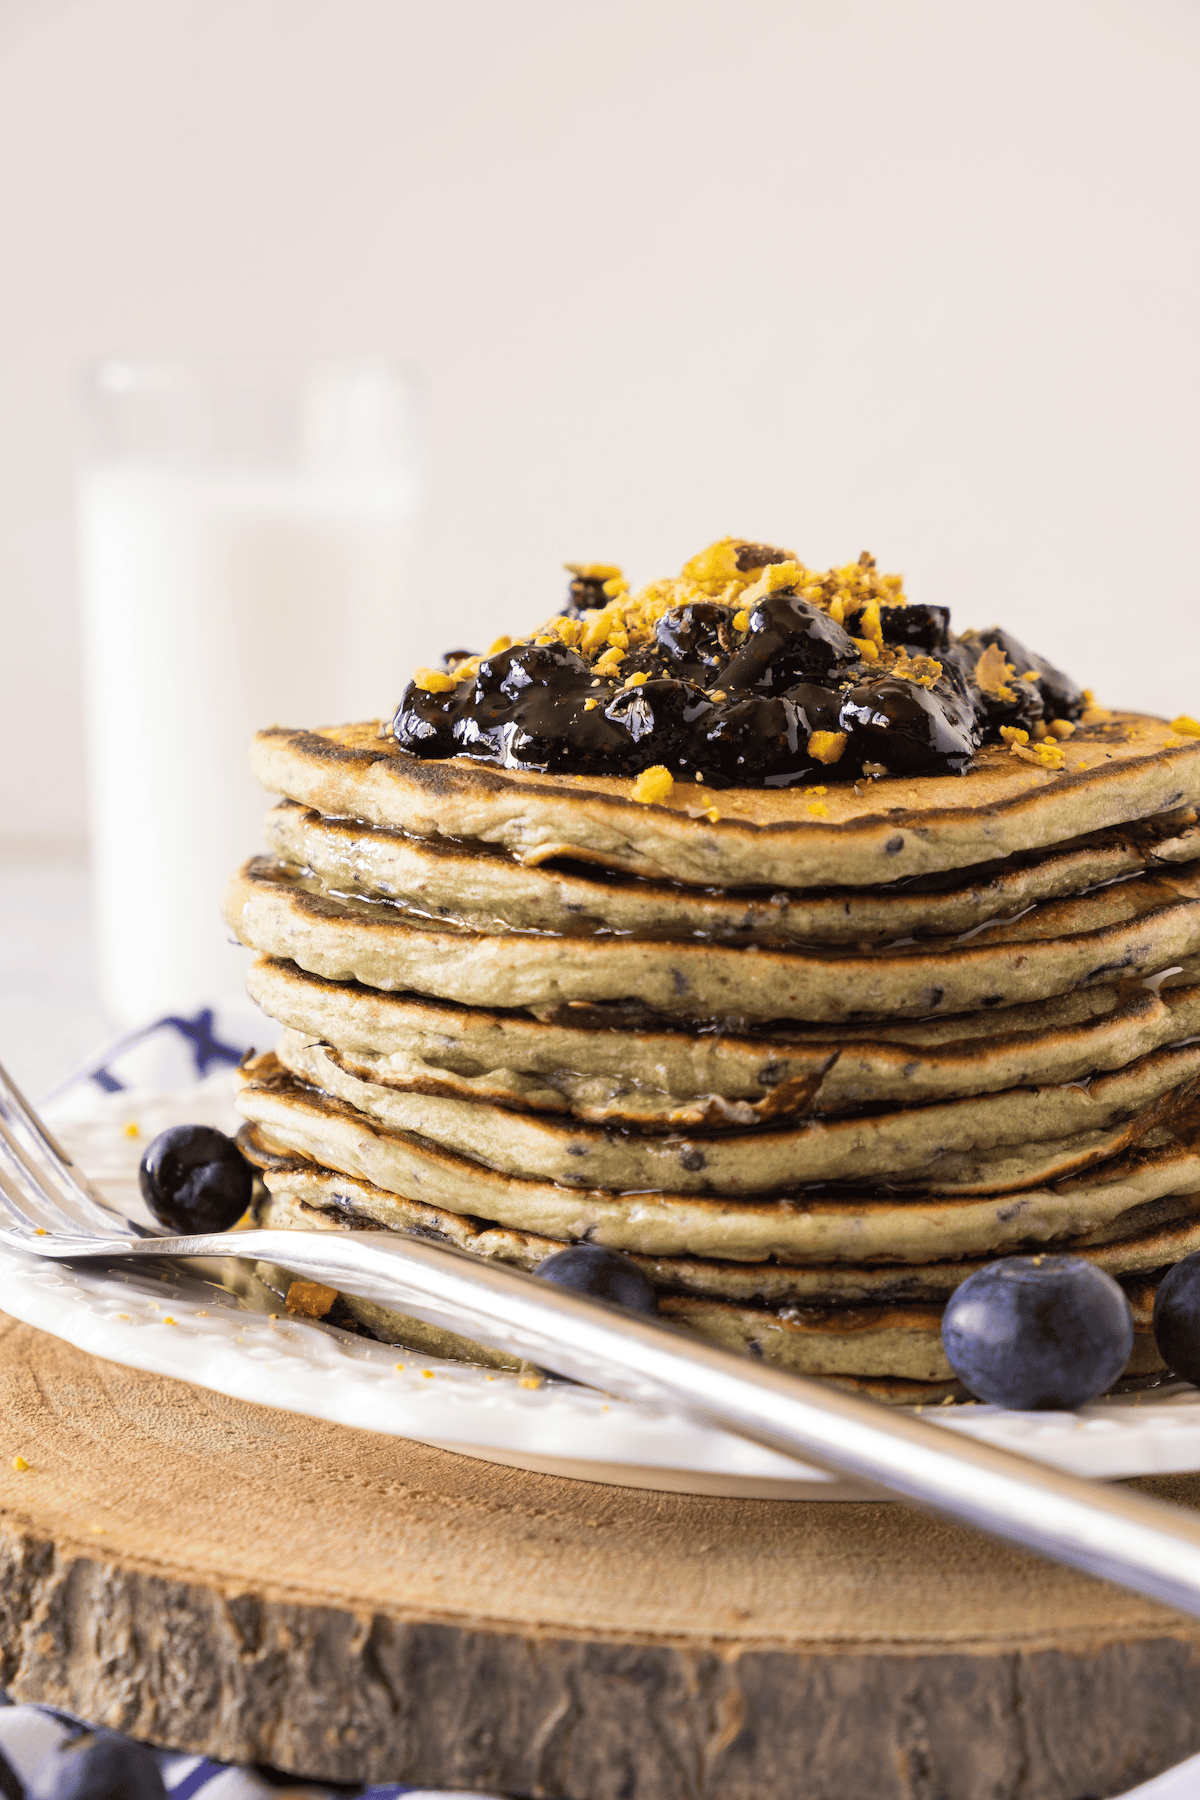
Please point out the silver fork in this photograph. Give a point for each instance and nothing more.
(48, 1209)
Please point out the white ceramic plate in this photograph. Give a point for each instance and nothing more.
(182, 1326)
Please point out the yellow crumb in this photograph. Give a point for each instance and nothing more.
(19, 1464)
(993, 672)
(1096, 715)
(1185, 726)
(869, 622)
(501, 643)
(124, 1316)
(1087, 696)
(543, 640)
(593, 571)
(530, 1381)
(312, 1298)
(712, 814)
(827, 746)
(428, 1374)
(40, 1231)
(616, 586)
(922, 671)
(741, 620)
(432, 680)
(653, 785)
(203, 1314)
(1012, 734)
(867, 649)
(609, 661)
(588, 706)
(818, 809)
(1046, 755)
(168, 1320)
(131, 1130)
(399, 1365)
(1060, 729)
(638, 680)
(817, 791)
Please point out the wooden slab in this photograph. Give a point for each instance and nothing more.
(218, 1577)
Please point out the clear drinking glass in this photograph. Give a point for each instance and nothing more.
(244, 544)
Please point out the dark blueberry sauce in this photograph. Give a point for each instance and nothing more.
(766, 696)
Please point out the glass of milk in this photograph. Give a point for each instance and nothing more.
(244, 543)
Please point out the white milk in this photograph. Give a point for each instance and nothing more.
(215, 603)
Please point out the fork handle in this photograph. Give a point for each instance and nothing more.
(1109, 1532)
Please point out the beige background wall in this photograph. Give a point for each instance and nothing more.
(920, 277)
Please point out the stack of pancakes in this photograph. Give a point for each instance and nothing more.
(808, 1066)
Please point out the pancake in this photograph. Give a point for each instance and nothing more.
(302, 1195)
(809, 1054)
(980, 1145)
(1134, 927)
(809, 1226)
(901, 1341)
(626, 1074)
(1126, 766)
(483, 887)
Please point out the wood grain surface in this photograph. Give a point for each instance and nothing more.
(223, 1578)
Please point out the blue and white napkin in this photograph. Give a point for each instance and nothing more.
(30, 1733)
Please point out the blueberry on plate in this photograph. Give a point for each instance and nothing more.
(98, 1765)
(1177, 1318)
(605, 1274)
(195, 1179)
(1038, 1333)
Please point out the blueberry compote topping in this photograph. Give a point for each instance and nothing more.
(748, 670)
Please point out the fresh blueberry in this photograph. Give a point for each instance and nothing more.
(98, 1765)
(606, 1274)
(195, 1179)
(1038, 1333)
(1177, 1318)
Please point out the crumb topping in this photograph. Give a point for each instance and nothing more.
(749, 668)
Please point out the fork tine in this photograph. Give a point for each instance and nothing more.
(23, 1205)
(51, 1168)
(35, 1178)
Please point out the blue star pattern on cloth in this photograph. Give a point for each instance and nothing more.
(199, 1034)
(171, 1052)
